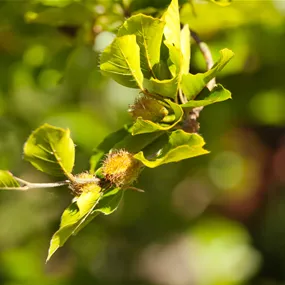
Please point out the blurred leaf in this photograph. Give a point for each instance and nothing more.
(108, 204)
(7, 180)
(146, 126)
(221, 2)
(74, 14)
(207, 97)
(148, 33)
(172, 26)
(192, 85)
(166, 88)
(185, 49)
(72, 216)
(180, 146)
(121, 61)
(50, 150)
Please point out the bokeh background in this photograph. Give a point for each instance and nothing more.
(217, 219)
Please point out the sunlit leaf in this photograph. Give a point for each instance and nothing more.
(121, 61)
(146, 126)
(51, 150)
(172, 26)
(148, 33)
(180, 145)
(7, 180)
(175, 59)
(72, 216)
(185, 49)
(207, 97)
(166, 88)
(221, 2)
(108, 204)
(192, 85)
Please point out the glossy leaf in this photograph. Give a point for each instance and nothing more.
(50, 150)
(145, 126)
(7, 181)
(148, 31)
(72, 216)
(192, 85)
(166, 88)
(185, 49)
(121, 61)
(180, 146)
(172, 24)
(207, 97)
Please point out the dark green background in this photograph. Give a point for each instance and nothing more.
(217, 219)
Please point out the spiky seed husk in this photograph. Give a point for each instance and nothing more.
(148, 108)
(121, 168)
(79, 186)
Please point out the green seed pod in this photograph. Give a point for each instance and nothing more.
(121, 168)
(148, 108)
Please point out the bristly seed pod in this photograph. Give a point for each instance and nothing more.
(121, 168)
(148, 108)
(84, 182)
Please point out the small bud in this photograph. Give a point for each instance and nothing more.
(85, 182)
(148, 108)
(121, 168)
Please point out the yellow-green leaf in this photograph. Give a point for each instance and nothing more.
(148, 31)
(172, 24)
(121, 61)
(7, 181)
(72, 216)
(51, 150)
(207, 97)
(180, 145)
(192, 85)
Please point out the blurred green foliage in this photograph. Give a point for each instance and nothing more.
(216, 219)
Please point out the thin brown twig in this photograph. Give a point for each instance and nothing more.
(191, 124)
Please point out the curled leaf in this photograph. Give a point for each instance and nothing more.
(179, 146)
(51, 150)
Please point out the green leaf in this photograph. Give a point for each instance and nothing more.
(72, 216)
(51, 150)
(192, 85)
(185, 49)
(108, 204)
(166, 88)
(172, 26)
(180, 145)
(121, 61)
(136, 143)
(148, 31)
(207, 97)
(221, 2)
(175, 59)
(145, 126)
(7, 181)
